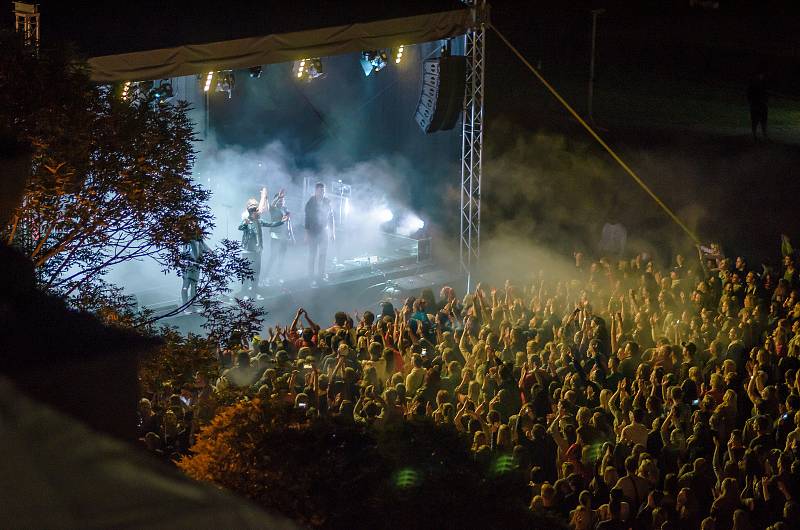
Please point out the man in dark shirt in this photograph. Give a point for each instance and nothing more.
(319, 227)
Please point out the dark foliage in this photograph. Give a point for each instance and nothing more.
(109, 182)
(329, 474)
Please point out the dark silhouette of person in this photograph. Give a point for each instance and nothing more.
(319, 228)
(757, 99)
(193, 251)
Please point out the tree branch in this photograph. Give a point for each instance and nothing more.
(89, 273)
(42, 240)
(60, 247)
(60, 268)
(13, 229)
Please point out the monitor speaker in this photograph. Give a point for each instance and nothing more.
(423, 249)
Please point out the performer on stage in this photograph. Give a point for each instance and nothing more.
(319, 227)
(253, 240)
(193, 254)
(280, 236)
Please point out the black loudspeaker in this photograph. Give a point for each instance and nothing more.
(423, 249)
(442, 98)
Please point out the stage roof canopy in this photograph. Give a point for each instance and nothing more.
(155, 40)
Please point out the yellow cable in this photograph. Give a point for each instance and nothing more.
(597, 137)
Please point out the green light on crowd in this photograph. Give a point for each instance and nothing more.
(503, 464)
(406, 478)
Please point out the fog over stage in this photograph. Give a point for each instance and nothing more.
(346, 130)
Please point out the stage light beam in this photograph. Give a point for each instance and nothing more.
(383, 215)
(410, 224)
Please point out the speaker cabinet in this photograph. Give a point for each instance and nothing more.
(442, 97)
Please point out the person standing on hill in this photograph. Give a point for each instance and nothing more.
(757, 99)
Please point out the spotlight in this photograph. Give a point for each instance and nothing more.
(416, 223)
(383, 215)
(399, 55)
(209, 77)
(308, 69)
(255, 71)
(132, 90)
(315, 69)
(163, 92)
(410, 224)
(373, 61)
(226, 82)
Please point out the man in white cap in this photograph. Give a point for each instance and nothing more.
(253, 240)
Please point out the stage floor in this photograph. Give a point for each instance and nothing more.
(351, 259)
(357, 279)
(349, 254)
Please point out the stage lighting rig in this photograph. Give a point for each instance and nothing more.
(226, 82)
(131, 91)
(256, 71)
(410, 224)
(384, 215)
(144, 86)
(163, 93)
(308, 69)
(398, 56)
(373, 61)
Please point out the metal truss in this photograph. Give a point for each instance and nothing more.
(472, 144)
(26, 22)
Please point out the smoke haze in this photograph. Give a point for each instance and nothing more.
(545, 194)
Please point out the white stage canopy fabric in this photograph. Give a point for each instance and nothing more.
(278, 48)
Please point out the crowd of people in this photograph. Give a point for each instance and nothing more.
(629, 396)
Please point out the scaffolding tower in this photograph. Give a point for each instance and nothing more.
(472, 141)
(26, 22)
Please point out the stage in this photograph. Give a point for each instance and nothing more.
(384, 142)
(363, 272)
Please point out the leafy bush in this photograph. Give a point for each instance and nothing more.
(176, 362)
(326, 473)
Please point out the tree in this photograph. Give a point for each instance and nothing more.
(110, 182)
(330, 474)
(177, 361)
